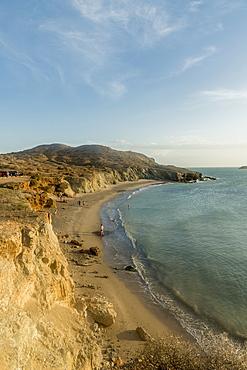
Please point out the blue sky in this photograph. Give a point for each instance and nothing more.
(166, 78)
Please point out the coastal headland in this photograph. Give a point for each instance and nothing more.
(61, 306)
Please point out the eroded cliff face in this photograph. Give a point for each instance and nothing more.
(100, 179)
(39, 328)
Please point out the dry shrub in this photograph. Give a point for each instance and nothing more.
(61, 187)
(37, 176)
(49, 188)
(12, 201)
(34, 183)
(172, 353)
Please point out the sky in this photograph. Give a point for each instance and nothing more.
(166, 78)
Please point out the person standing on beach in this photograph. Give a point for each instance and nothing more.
(102, 230)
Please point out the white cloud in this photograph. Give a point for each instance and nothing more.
(192, 61)
(189, 142)
(190, 151)
(77, 42)
(145, 22)
(93, 60)
(219, 27)
(12, 53)
(172, 143)
(93, 42)
(228, 6)
(194, 5)
(103, 33)
(224, 95)
(114, 87)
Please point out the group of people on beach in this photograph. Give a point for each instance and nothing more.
(81, 203)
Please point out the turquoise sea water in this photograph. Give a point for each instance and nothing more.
(189, 245)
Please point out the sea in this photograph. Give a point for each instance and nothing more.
(188, 244)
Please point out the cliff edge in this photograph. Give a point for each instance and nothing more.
(39, 326)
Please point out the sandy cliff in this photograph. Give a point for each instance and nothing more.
(39, 328)
(100, 179)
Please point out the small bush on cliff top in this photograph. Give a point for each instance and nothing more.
(36, 176)
(60, 188)
(173, 353)
(33, 183)
(12, 200)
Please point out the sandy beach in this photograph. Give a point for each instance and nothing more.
(93, 277)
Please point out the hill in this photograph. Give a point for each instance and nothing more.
(61, 170)
(86, 155)
(60, 159)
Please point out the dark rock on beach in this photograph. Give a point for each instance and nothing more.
(130, 268)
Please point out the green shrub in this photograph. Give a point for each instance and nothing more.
(37, 176)
(60, 188)
(48, 189)
(33, 183)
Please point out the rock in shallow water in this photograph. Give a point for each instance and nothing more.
(130, 268)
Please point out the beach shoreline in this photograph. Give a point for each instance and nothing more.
(92, 276)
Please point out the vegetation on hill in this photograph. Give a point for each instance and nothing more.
(85, 160)
(13, 200)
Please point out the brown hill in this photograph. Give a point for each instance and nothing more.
(65, 160)
(87, 155)
(63, 170)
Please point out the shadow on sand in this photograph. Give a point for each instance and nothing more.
(129, 335)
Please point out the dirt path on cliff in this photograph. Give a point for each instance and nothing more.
(93, 277)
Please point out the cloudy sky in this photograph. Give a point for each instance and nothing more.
(162, 77)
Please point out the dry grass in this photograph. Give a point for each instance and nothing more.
(13, 200)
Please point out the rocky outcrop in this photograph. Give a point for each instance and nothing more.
(39, 326)
(39, 191)
(99, 309)
(100, 179)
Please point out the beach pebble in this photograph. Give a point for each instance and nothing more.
(143, 334)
